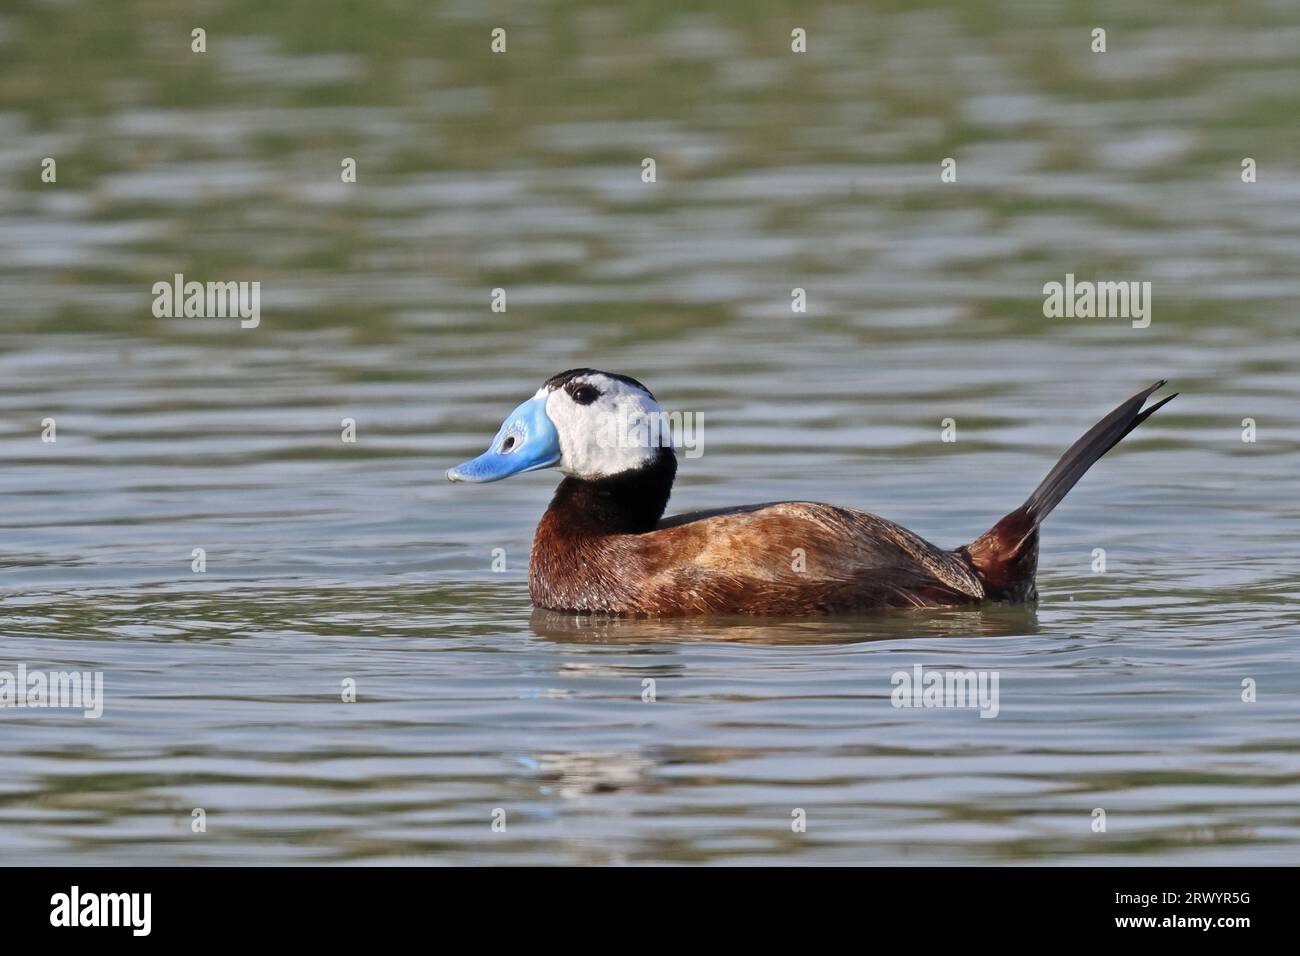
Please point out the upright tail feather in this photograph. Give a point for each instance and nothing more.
(1006, 556)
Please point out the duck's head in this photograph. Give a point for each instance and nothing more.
(580, 422)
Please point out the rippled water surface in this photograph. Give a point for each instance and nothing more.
(329, 562)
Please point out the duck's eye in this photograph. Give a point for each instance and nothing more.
(508, 444)
(585, 394)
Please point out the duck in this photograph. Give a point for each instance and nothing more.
(605, 547)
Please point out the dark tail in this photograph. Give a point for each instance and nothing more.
(1006, 556)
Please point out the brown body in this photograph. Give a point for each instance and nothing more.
(604, 547)
(786, 558)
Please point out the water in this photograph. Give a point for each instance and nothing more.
(329, 562)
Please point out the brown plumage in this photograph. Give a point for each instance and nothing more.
(603, 547)
(792, 557)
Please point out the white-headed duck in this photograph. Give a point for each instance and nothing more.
(604, 546)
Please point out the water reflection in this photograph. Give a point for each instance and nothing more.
(991, 621)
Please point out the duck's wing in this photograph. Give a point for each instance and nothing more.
(795, 557)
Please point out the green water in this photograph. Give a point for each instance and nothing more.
(329, 561)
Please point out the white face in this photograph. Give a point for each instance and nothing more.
(615, 431)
